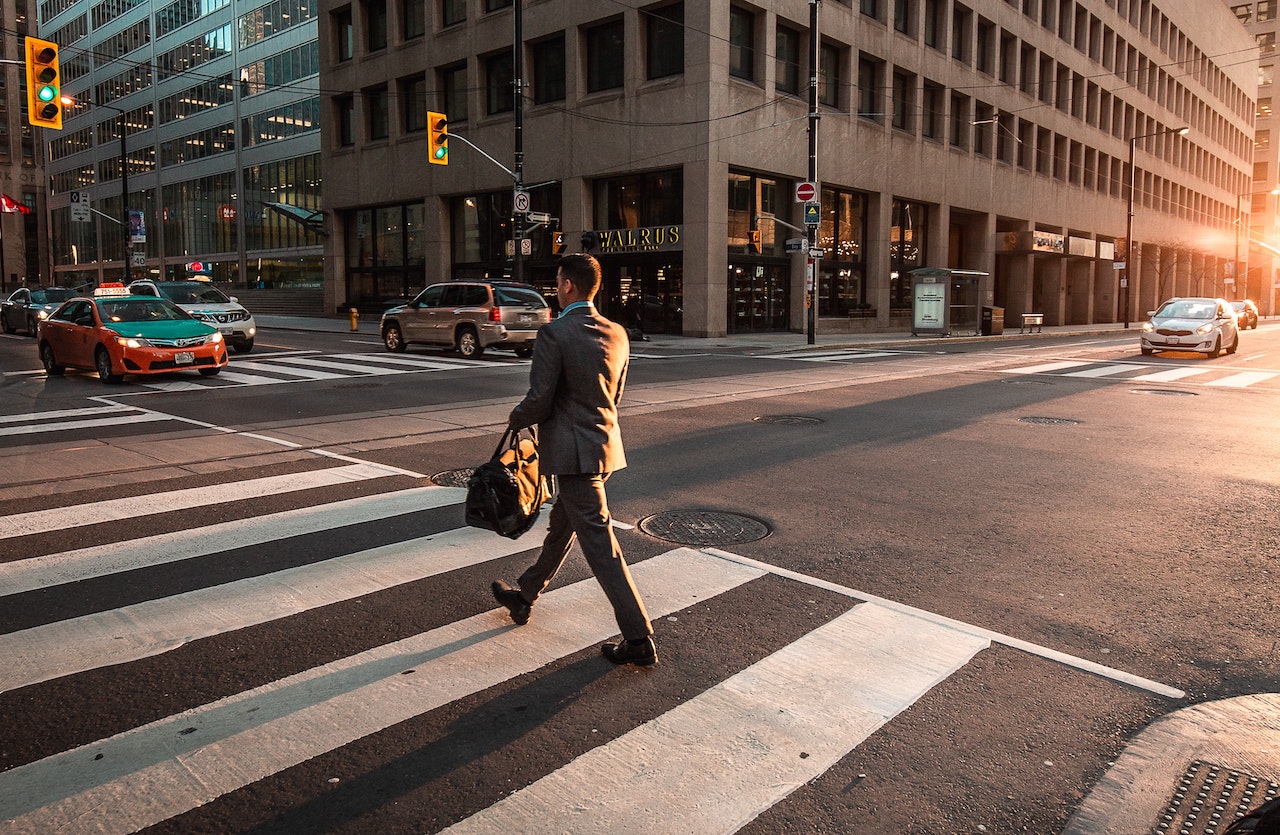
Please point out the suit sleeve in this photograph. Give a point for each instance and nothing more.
(544, 379)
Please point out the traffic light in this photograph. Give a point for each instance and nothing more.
(44, 103)
(438, 142)
(755, 239)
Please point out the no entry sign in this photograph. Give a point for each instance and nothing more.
(806, 192)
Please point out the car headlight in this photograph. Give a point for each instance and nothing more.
(43, 314)
(1207, 327)
(133, 342)
(213, 338)
(1147, 327)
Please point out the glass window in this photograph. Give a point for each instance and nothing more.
(788, 61)
(346, 113)
(379, 114)
(494, 5)
(960, 21)
(665, 41)
(1264, 107)
(548, 70)
(376, 24)
(907, 248)
(742, 44)
(869, 106)
(414, 96)
(1244, 11)
(959, 133)
(1266, 10)
(343, 31)
(453, 93)
(452, 11)
(414, 21)
(932, 112)
(902, 16)
(605, 56)
(829, 76)
(933, 25)
(870, 8)
(499, 77)
(642, 200)
(904, 100)
(1266, 43)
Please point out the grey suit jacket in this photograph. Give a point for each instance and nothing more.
(579, 370)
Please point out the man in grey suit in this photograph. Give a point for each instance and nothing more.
(579, 370)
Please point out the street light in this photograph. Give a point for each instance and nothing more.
(1128, 232)
(1235, 264)
(124, 184)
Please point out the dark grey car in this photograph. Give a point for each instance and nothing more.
(26, 307)
(469, 316)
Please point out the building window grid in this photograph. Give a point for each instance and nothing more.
(605, 52)
(742, 44)
(664, 41)
(549, 70)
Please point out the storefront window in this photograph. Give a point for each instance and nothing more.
(842, 278)
(653, 199)
(385, 256)
(907, 249)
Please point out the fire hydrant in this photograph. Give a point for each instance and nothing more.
(355, 319)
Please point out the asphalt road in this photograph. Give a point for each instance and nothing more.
(241, 604)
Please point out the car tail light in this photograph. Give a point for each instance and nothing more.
(495, 314)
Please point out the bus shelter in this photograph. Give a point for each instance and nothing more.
(946, 302)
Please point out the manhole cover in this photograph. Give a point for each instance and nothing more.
(788, 420)
(1023, 381)
(704, 527)
(1209, 797)
(453, 478)
(1168, 392)
(1050, 421)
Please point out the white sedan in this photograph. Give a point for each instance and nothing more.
(1202, 325)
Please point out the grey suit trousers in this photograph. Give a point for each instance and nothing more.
(581, 511)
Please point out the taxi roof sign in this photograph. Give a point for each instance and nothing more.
(111, 288)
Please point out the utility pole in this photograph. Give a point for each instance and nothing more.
(811, 274)
(519, 197)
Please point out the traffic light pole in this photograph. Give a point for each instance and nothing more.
(811, 262)
(518, 209)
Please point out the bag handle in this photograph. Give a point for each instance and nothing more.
(511, 439)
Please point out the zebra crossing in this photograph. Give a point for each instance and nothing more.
(780, 722)
(1132, 372)
(308, 366)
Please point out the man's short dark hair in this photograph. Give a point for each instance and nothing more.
(583, 273)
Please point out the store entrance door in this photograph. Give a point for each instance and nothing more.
(759, 296)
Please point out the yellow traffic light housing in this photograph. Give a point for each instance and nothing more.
(438, 138)
(44, 96)
(755, 239)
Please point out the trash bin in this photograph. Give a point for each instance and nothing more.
(992, 321)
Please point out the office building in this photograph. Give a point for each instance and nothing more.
(1259, 243)
(24, 254)
(991, 136)
(214, 108)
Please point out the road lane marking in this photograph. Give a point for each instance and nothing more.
(345, 366)
(56, 519)
(826, 356)
(60, 414)
(152, 773)
(159, 549)
(991, 635)
(1172, 374)
(1105, 371)
(421, 363)
(287, 371)
(1044, 368)
(780, 723)
(90, 423)
(1244, 378)
(154, 627)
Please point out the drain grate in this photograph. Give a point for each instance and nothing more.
(453, 478)
(788, 420)
(704, 527)
(1050, 421)
(1209, 797)
(1167, 392)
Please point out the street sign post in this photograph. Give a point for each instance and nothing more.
(812, 214)
(80, 208)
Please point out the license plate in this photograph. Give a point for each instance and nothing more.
(184, 358)
(526, 318)
(226, 331)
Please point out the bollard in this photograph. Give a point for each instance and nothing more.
(355, 319)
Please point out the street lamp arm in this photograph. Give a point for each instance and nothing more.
(783, 222)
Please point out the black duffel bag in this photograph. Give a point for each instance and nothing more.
(506, 493)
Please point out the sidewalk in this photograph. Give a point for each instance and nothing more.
(1190, 771)
(771, 342)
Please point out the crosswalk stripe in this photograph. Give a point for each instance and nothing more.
(128, 555)
(781, 722)
(343, 366)
(827, 356)
(152, 773)
(90, 423)
(284, 370)
(60, 414)
(1244, 378)
(415, 361)
(54, 519)
(153, 627)
(1105, 371)
(1172, 374)
(1044, 367)
(248, 379)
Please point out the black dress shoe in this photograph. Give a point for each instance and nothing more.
(642, 652)
(513, 600)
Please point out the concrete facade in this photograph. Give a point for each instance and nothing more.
(1000, 130)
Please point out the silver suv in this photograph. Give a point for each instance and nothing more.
(208, 304)
(469, 316)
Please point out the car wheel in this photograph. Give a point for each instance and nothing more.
(1146, 352)
(51, 367)
(1217, 348)
(524, 353)
(468, 344)
(32, 326)
(1234, 344)
(209, 372)
(102, 361)
(242, 347)
(4, 323)
(393, 339)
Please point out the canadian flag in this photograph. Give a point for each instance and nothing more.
(10, 206)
